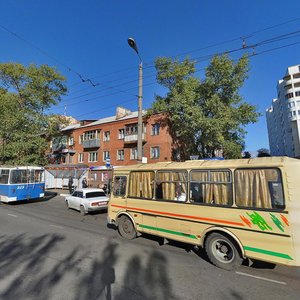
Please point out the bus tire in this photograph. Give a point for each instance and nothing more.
(82, 210)
(222, 251)
(126, 228)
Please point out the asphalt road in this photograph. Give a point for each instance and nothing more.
(49, 252)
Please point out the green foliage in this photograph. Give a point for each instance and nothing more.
(204, 117)
(25, 95)
(263, 152)
(247, 154)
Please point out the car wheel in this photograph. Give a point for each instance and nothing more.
(222, 251)
(82, 210)
(126, 228)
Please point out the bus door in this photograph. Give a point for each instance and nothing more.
(171, 192)
(141, 202)
(119, 193)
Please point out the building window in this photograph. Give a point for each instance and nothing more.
(289, 95)
(133, 153)
(80, 157)
(91, 135)
(120, 155)
(131, 129)
(93, 156)
(106, 155)
(297, 93)
(121, 134)
(154, 152)
(71, 141)
(296, 75)
(291, 104)
(81, 138)
(106, 136)
(294, 113)
(297, 84)
(155, 129)
(289, 86)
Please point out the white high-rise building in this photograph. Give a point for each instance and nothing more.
(283, 117)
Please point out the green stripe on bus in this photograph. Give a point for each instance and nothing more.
(169, 231)
(267, 252)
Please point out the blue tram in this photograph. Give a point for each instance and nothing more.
(21, 183)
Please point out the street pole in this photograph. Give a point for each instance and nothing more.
(133, 45)
(140, 114)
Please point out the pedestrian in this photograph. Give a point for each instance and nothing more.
(84, 183)
(70, 184)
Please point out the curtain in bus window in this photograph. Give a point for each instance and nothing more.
(251, 188)
(219, 191)
(169, 183)
(211, 187)
(141, 184)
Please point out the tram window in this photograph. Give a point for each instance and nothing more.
(19, 176)
(4, 176)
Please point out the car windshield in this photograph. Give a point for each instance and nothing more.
(94, 194)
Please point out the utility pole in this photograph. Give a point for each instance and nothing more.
(133, 45)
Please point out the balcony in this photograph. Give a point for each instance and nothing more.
(132, 138)
(58, 147)
(95, 143)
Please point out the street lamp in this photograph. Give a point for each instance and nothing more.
(132, 44)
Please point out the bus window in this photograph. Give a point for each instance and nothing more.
(171, 185)
(259, 188)
(211, 187)
(141, 184)
(4, 176)
(120, 185)
(19, 176)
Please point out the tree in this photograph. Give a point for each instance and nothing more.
(204, 117)
(26, 93)
(263, 152)
(247, 154)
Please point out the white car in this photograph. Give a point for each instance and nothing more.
(87, 199)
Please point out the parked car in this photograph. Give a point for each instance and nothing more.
(87, 199)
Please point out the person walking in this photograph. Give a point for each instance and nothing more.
(84, 183)
(70, 184)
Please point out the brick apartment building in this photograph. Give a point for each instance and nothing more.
(92, 142)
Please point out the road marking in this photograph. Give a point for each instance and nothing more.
(56, 226)
(12, 215)
(262, 278)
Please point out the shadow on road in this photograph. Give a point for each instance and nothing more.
(29, 270)
(25, 266)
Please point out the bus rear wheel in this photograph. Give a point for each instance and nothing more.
(222, 251)
(126, 228)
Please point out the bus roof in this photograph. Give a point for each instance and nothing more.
(276, 161)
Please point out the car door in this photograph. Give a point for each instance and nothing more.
(78, 200)
(71, 200)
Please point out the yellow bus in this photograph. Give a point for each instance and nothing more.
(234, 209)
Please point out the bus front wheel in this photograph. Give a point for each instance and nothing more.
(126, 228)
(222, 251)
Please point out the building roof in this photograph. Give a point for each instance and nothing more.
(131, 115)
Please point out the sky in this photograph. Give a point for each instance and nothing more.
(86, 41)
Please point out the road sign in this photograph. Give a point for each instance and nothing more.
(107, 162)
